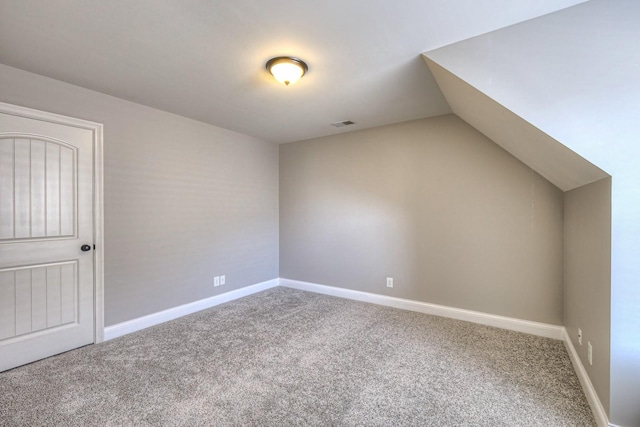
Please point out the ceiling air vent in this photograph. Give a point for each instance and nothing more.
(343, 123)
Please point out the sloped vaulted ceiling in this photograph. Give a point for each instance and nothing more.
(561, 92)
(205, 59)
(531, 145)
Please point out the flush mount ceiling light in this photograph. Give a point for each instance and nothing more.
(287, 69)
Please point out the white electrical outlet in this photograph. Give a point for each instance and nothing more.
(590, 352)
(216, 281)
(223, 280)
(579, 336)
(389, 282)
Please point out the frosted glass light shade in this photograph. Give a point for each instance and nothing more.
(287, 70)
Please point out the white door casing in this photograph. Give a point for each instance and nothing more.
(50, 205)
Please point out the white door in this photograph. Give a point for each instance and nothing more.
(46, 216)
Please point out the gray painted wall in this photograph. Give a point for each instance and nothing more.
(454, 218)
(184, 201)
(573, 74)
(587, 263)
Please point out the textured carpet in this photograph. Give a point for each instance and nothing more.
(286, 357)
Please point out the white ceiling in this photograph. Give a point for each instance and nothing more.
(205, 59)
(542, 153)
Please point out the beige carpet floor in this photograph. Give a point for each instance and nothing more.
(286, 357)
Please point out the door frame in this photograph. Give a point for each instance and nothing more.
(98, 200)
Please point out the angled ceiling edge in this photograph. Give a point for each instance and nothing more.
(550, 158)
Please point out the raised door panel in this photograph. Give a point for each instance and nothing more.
(38, 189)
(38, 297)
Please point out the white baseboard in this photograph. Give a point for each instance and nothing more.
(534, 328)
(133, 325)
(510, 323)
(590, 392)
